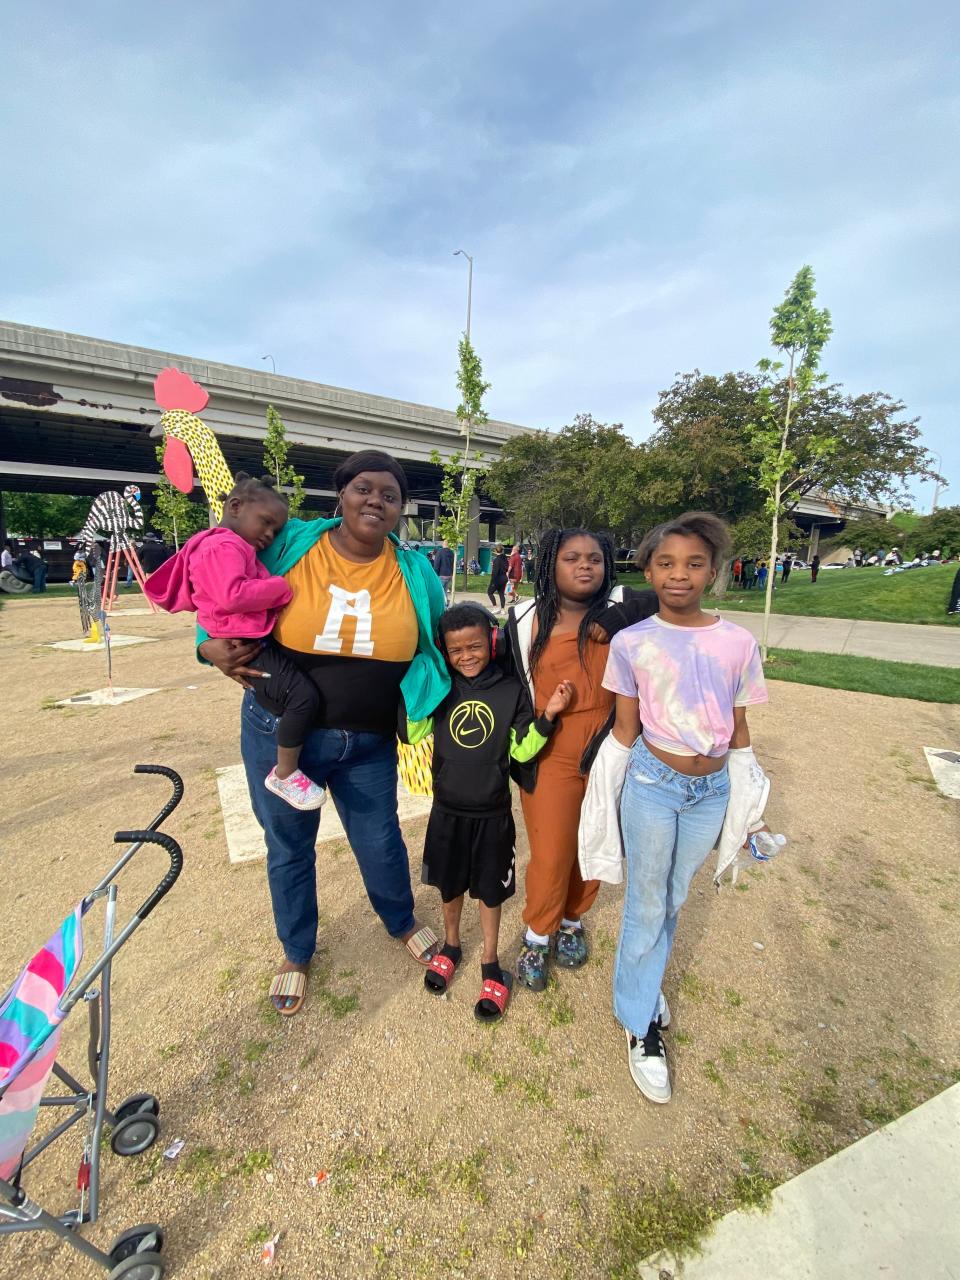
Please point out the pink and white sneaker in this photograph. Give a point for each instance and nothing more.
(296, 789)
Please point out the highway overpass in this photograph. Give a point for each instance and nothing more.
(76, 415)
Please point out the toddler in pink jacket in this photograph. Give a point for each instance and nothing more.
(217, 574)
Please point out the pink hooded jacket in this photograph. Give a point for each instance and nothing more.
(217, 574)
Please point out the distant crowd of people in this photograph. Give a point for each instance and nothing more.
(25, 569)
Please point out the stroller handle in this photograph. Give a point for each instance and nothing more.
(177, 783)
(165, 842)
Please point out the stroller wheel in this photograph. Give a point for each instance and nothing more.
(136, 1103)
(139, 1266)
(135, 1133)
(126, 1244)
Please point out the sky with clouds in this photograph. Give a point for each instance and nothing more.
(638, 182)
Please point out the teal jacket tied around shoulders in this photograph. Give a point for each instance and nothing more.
(426, 682)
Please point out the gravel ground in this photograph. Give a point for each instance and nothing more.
(811, 1003)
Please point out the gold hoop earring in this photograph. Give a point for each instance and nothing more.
(336, 510)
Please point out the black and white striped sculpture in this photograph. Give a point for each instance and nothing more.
(111, 515)
(116, 516)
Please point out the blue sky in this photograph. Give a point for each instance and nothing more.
(637, 182)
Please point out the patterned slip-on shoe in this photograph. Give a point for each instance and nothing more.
(532, 965)
(570, 946)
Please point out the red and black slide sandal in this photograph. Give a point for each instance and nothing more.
(439, 973)
(493, 999)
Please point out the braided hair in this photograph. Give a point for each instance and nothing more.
(253, 489)
(548, 598)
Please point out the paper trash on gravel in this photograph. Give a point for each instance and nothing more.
(317, 1179)
(269, 1251)
(174, 1148)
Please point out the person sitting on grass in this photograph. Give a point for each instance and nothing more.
(484, 722)
(216, 573)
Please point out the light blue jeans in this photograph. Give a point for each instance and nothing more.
(670, 823)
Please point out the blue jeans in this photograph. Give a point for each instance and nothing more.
(670, 823)
(360, 770)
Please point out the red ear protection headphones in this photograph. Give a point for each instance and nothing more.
(496, 633)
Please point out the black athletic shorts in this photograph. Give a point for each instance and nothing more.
(475, 855)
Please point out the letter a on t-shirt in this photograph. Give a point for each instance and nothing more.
(347, 604)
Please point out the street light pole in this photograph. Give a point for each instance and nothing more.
(272, 362)
(462, 253)
(936, 488)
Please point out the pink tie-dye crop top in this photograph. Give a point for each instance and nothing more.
(687, 680)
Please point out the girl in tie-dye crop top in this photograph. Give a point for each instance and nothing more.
(683, 680)
(687, 681)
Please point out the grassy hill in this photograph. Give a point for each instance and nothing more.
(919, 595)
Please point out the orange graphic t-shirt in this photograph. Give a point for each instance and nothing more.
(353, 629)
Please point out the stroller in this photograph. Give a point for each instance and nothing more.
(31, 1014)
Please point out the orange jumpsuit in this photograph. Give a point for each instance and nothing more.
(551, 812)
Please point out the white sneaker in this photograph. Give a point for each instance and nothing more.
(296, 789)
(663, 1012)
(647, 1059)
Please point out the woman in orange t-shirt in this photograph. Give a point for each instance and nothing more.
(363, 608)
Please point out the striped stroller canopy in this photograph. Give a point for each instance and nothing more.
(30, 1018)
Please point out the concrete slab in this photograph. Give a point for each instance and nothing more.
(245, 838)
(887, 1206)
(116, 642)
(132, 613)
(105, 697)
(945, 766)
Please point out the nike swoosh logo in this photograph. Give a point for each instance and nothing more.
(465, 732)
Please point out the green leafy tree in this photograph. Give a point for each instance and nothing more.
(461, 473)
(941, 530)
(458, 484)
(175, 516)
(698, 458)
(800, 331)
(703, 454)
(44, 515)
(275, 450)
(587, 474)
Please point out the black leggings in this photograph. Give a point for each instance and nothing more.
(493, 591)
(288, 693)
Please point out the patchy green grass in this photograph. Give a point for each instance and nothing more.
(340, 1006)
(254, 1050)
(558, 1009)
(692, 987)
(919, 595)
(204, 1167)
(668, 1217)
(865, 675)
(531, 1090)
(467, 1175)
(222, 1071)
(252, 1162)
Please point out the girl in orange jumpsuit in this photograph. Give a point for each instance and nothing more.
(563, 634)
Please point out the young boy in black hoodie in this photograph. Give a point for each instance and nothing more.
(484, 723)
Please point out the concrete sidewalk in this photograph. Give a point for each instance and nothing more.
(888, 1206)
(895, 641)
